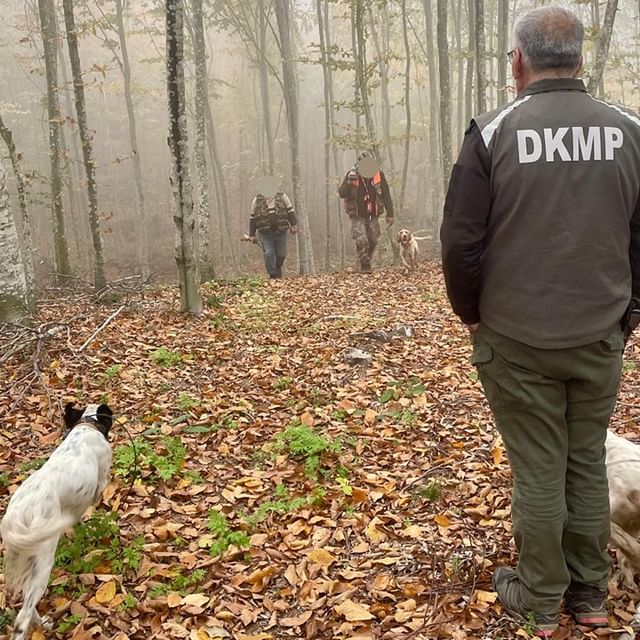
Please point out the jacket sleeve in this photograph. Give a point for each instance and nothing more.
(464, 226)
(386, 197)
(345, 188)
(634, 252)
(291, 214)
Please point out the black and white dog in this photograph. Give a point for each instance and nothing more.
(51, 500)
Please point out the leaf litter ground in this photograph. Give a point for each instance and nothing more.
(281, 492)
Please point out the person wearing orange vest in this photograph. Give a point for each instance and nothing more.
(365, 201)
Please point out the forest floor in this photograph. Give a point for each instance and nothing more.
(276, 491)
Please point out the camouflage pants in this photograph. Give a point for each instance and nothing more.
(366, 233)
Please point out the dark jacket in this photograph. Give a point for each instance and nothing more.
(366, 197)
(541, 229)
(274, 217)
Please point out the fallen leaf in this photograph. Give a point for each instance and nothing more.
(353, 612)
(106, 592)
(321, 557)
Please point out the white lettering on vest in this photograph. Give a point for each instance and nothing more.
(524, 155)
(586, 148)
(613, 139)
(582, 143)
(553, 144)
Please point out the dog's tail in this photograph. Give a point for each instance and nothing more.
(23, 542)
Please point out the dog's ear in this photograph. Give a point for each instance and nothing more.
(399, 235)
(71, 415)
(104, 416)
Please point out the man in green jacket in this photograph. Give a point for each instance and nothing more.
(541, 257)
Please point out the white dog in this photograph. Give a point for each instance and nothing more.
(408, 249)
(623, 472)
(51, 500)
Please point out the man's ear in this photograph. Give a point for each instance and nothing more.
(71, 415)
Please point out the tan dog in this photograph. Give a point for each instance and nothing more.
(408, 250)
(623, 472)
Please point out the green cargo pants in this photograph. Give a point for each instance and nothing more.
(552, 408)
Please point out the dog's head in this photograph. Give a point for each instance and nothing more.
(404, 236)
(99, 415)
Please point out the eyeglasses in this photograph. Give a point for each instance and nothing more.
(510, 54)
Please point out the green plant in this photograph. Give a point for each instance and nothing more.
(129, 602)
(182, 583)
(339, 414)
(4, 479)
(97, 541)
(214, 301)
(408, 417)
(628, 365)
(165, 358)
(165, 466)
(223, 536)
(432, 491)
(304, 444)
(186, 402)
(194, 477)
(6, 618)
(283, 383)
(410, 388)
(112, 371)
(159, 590)
(69, 622)
(34, 464)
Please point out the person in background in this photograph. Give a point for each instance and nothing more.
(272, 218)
(541, 258)
(365, 193)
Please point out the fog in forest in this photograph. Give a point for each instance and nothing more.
(368, 76)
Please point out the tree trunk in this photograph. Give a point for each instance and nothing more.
(434, 139)
(263, 74)
(445, 91)
(407, 105)
(305, 248)
(327, 135)
(481, 68)
(221, 188)
(503, 36)
(27, 239)
(362, 80)
(141, 217)
(185, 248)
(604, 39)
(471, 56)
(85, 140)
(336, 165)
(383, 67)
(357, 109)
(14, 300)
(47, 18)
(205, 262)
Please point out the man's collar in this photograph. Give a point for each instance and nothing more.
(553, 84)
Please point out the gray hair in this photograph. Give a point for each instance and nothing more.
(550, 38)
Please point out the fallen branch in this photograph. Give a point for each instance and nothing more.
(99, 329)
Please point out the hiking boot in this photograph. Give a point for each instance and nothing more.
(507, 585)
(587, 604)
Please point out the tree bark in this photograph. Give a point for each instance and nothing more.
(205, 262)
(327, 134)
(407, 105)
(14, 301)
(445, 92)
(27, 239)
(141, 217)
(604, 39)
(85, 141)
(434, 129)
(47, 18)
(503, 36)
(185, 249)
(471, 58)
(263, 73)
(305, 248)
(481, 70)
